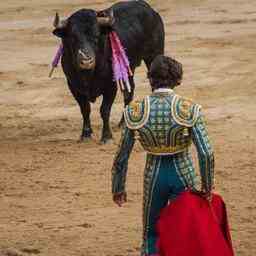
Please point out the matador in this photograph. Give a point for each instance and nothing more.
(166, 125)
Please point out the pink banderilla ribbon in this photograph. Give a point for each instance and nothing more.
(120, 63)
(56, 59)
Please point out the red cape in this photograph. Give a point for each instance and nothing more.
(190, 226)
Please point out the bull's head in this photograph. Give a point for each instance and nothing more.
(80, 33)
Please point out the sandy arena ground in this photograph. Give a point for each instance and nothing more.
(54, 192)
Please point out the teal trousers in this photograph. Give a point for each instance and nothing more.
(165, 177)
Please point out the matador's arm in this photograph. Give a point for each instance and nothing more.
(120, 165)
(205, 153)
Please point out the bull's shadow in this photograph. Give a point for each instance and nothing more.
(87, 53)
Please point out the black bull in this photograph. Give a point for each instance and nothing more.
(86, 59)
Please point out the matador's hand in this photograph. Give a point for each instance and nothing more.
(204, 194)
(120, 198)
(207, 195)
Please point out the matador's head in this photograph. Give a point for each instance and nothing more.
(165, 72)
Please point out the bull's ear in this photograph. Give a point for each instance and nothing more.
(59, 32)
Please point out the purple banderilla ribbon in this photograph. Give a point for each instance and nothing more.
(56, 59)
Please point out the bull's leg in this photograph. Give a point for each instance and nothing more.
(128, 97)
(105, 109)
(85, 109)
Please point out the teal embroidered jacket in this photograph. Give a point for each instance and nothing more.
(165, 124)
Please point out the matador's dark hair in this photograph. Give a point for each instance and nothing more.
(165, 72)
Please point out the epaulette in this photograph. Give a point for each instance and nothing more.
(184, 111)
(136, 113)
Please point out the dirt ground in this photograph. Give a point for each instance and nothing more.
(55, 193)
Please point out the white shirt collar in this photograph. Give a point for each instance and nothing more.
(168, 90)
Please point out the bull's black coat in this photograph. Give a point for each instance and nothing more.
(141, 32)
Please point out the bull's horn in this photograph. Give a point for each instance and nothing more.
(56, 22)
(111, 13)
(59, 23)
(106, 19)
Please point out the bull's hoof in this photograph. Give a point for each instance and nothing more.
(106, 139)
(84, 139)
(87, 133)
